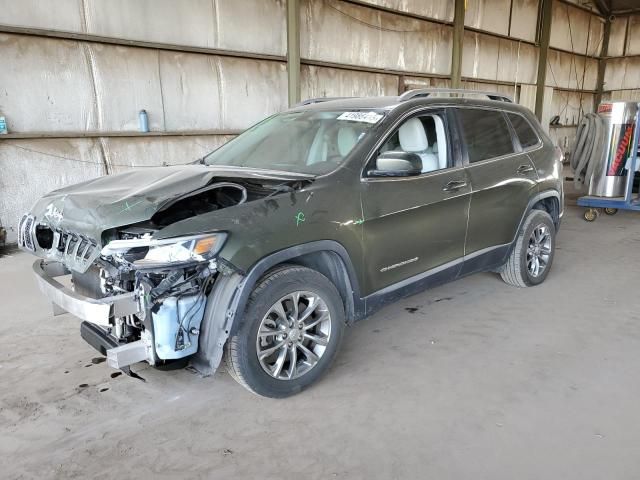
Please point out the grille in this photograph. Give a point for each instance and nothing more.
(25, 233)
(78, 250)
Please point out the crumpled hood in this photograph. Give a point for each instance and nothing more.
(112, 201)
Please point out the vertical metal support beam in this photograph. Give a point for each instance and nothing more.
(458, 40)
(293, 50)
(545, 35)
(602, 63)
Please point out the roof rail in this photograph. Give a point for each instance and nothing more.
(310, 101)
(425, 92)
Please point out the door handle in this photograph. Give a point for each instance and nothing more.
(524, 169)
(454, 185)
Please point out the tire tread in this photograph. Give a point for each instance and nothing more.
(233, 358)
(512, 272)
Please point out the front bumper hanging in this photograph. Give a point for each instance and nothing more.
(64, 299)
(96, 311)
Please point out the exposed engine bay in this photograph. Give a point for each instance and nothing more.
(165, 282)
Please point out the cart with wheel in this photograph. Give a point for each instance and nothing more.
(611, 205)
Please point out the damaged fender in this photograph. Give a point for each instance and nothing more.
(227, 300)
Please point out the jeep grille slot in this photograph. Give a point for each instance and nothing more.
(25, 233)
(78, 250)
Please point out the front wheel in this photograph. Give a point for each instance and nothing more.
(290, 333)
(532, 255)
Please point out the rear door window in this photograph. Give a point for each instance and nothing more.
(524, 131)
(485, 133)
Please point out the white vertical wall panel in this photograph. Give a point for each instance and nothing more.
(572, 28)
(491, 58)
(45, 84)
(352, 35)
(53, 85)
(565, 70)
(570, 106)
(617, 36)
(489, 15)
(123, 154)
(59, 15)
(528, 96)
(633, 40)
(251, 90)
(192, 95)
(336, 82)
(31, 168)
(622, 73)
(164, 21)
(243, 25)
(126, 80)
(524, 19)
(439, 10)
(257, 26)
(212, 92)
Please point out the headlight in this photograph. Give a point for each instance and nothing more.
(148, 252)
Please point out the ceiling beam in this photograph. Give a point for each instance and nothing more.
(603, 7)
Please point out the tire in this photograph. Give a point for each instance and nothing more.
(590, 215)
(518, 269)
(278, 288)
(610, 211)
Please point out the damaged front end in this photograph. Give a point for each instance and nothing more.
(143, 296)
(141, 299)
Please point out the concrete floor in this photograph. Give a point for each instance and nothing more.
(474, 379)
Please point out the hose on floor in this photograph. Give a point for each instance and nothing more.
(588, 149)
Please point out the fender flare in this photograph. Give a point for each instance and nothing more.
(230, 295)
(282, 256)
(532, 201)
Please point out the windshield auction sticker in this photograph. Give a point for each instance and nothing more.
(366, 117)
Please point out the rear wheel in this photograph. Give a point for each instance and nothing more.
(291, 332)
(610, 211)
(532, 255)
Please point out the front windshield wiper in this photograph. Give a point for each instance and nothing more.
(281, 188)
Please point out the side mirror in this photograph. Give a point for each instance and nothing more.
(397, 164)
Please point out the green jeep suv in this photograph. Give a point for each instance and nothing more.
(262, 251)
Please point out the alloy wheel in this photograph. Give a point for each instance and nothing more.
(539, 250)
(293, 335)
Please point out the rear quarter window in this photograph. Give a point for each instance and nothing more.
(485, 133)
(524, 131)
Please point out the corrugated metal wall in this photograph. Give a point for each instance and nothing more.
(72, 84)
(75, 73)
(622, 77)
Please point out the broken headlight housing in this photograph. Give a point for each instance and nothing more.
(147, 252)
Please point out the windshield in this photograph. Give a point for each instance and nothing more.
(312, 142)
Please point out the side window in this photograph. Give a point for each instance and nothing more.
(525, 132)
(485, 133)
(424, 135)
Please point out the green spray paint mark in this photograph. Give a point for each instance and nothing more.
(128, 207)
(299, 218)
(360, 221)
